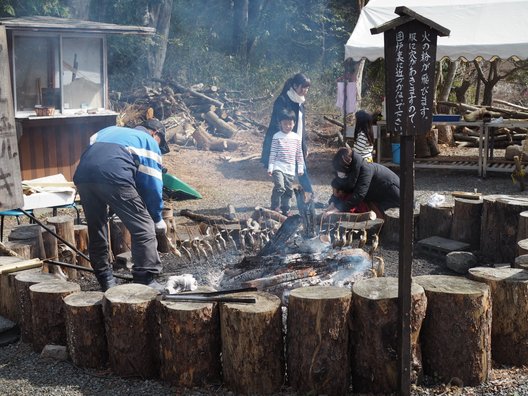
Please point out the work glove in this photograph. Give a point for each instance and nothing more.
(161, 227)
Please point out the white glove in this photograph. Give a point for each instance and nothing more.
(161, 227)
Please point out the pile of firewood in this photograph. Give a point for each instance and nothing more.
(502, 137)
(205, 117)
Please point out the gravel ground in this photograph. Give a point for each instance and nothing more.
(245, 185)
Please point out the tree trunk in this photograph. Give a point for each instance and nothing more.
(448, 83)
(318, 358)
(159, 17)
(456, 342)
(81, 243)
(509, 330)
(374, 328)
(85, 329)
(190, 342)
(48, 312)
(131, 353)
(252, 345)
(240, 28)
(64, 228)
(79, 9)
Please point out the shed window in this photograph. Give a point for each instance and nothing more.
(60, 71)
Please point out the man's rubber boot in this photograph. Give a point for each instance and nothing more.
(147, 278)
(106, 280)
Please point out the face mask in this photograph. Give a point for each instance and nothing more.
(341, 175)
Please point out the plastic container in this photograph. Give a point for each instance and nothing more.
(396, 153)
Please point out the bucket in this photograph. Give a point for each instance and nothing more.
(396, 153)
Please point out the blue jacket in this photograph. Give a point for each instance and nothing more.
(125, 156)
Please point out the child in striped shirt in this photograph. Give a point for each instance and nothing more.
(285, 155)
(363, 136)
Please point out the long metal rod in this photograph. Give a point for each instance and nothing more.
(217, 292)
(78, 267)
(84, 256)
(183, 297)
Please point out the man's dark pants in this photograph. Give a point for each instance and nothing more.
(126, 203)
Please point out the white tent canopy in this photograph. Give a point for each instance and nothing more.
(479, 28)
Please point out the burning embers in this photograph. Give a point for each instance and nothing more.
(280, 253)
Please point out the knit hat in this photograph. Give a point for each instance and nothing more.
(155, 125)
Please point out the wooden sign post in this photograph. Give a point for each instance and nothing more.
(410, 56)
(10, 180)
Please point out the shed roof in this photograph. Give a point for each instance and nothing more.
(54, 24)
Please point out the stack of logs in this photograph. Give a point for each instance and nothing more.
(502, 137)
(202, 116)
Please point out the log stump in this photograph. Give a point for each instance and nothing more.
(131, 330)
(85, 331)
(317, 340)
(190, 342)
(435, 221)
(521, 262)
(466, 222)
(23, 280)
(374, 331)
(390, 232)
(80, 232)
(24, 250)
(29, 234)
(522, 229)
(64, 228)
(51, 250)
(509, 326)
(47, 310)
(252, 344)
(8, 300)
(456, 342)
(500, 223)
(522, 248)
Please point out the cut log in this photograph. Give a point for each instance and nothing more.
(132, 353)
(47, 310)
(120, 237)
(390, 231)
(509, 331)
(318, 357)
(522, 229)
(502, 222)
(210, 220)
(190, 342)
(284, 233)
(51, 250)
(86, 339)
(522, 247)
(222, 128)
(374, 328)
(81, 243)
(8, 299)
(64, 228)
(29, 234)
(466, 222)
(435, 221)
(23, 250)
(456, 342)
(252, 345)
(521, 262)
(23, 280)
(263, 213)
(489, 232)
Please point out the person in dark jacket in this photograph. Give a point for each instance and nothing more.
(121, 171)
(366, 181)
(292, 97)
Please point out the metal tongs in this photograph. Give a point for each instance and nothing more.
(213, 296)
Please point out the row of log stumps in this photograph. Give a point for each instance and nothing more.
(333, 338)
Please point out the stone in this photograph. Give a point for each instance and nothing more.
(461, 262)
(56, 352)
